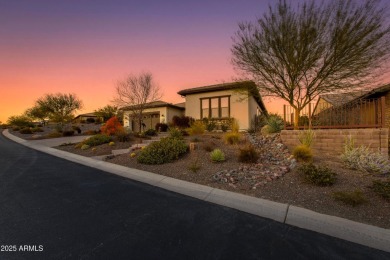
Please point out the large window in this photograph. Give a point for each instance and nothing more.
(215, 107)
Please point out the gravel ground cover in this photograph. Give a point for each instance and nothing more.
(275, 176)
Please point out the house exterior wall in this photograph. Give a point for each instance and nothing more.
(331, 141)
(166, 115)
(253, 109)
(171, 112)
(239, 107)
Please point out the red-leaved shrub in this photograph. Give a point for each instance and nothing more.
(112, 126)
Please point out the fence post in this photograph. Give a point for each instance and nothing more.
(383, 111)
(284, 116)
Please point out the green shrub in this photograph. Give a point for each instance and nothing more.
(164, 151)
(224, 127)
(161, 127)
(36, 129)
(68, 133)
(77, 129)
(175, 133)
(306, 137)
(302, 153)
(275, 123)
(15, 128)
(363, 159)
(209, 146)
(248, 154)
(320, 176)
(353, 198)
(26, 130)
(210, 124)
(84, 147)
(182, 121)
(97, 140)
(382, 188)
(232, 138)
(151, 132)
(111, 143)
(21, 121)
(197, 128)
(217, 155)
(123, 136)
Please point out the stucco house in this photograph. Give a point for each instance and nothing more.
(238, 100)
(154, 112)
(221, 102)
(87, 117)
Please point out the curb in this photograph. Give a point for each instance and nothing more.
(367, 235)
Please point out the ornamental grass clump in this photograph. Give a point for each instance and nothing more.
(166, 150)
(197, 128)
(217, 155)
(363, 159)
(232, 138)
(320, 176)
(306, 137)
(302, 153)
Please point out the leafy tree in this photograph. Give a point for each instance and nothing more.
(106, 112)
(299, 52)
(21, 121)
(37, 112)
(60, 107)
(134, 92)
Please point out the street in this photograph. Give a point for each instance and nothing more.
(51, 208)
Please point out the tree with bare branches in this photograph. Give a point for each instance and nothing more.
(135, 92)
(299, 51)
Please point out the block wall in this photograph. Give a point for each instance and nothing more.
(331, 141)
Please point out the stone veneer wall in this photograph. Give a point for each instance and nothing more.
(331, 141)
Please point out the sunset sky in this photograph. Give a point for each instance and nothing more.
(85, 47)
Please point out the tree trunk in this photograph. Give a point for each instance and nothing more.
(296, 118)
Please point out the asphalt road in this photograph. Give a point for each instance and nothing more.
(51, 208)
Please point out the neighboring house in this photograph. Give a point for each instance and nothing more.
(369, 108)
(238, 100)
(154, 112)
(87, 118)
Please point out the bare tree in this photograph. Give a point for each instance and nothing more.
(135, 92)
(299, 52)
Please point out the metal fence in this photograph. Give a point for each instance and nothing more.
(362, 113)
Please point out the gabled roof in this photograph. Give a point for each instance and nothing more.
(339, 99)
(156, 104)
(86, 115)
(245, 85)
